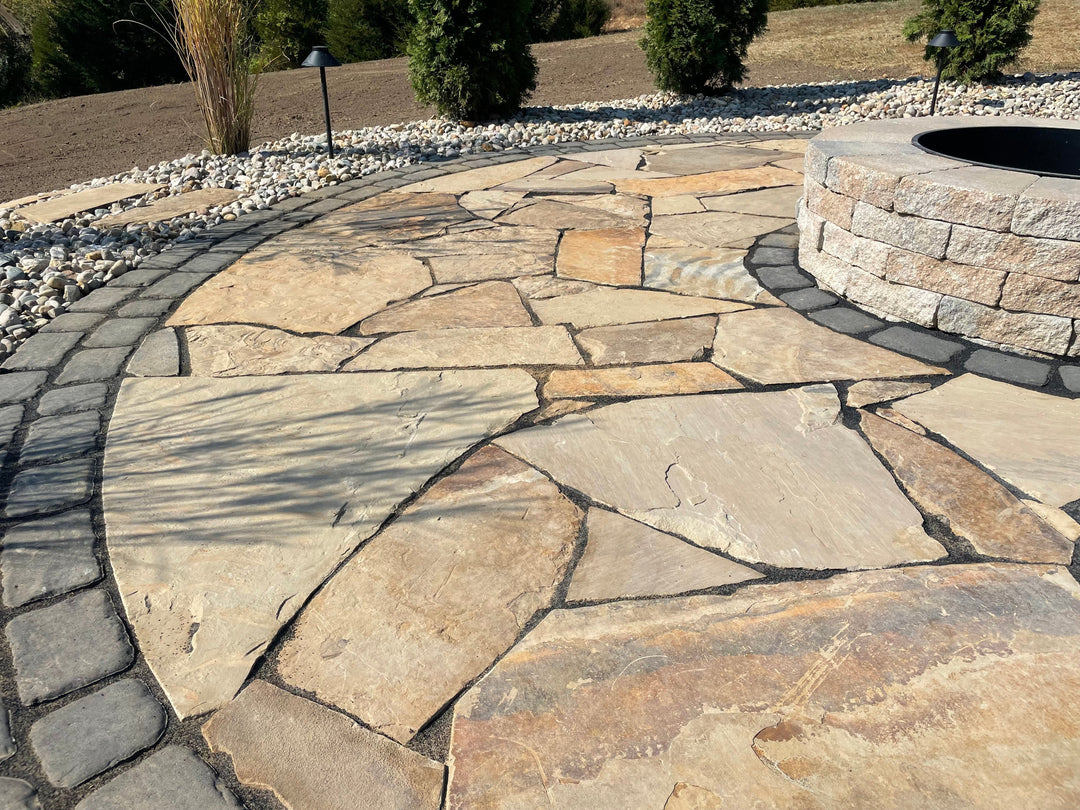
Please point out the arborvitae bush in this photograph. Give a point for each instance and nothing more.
(287, 29)
(991, 32)
(554, 20)
(14, 60)
(697, 46)
(471, 58)
(358, 30)
(96, 46)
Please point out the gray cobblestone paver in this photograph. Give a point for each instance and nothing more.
(777, 239)
(42, 351)
(90, 735)
(48, 557)
(809, 298)
(91, 365)
(7, 742)
(1008, 367)
(49, 488)
(845, 320)
(66, 646)
(20, 386)
(143, 277)
(54, 438)
(83, 397)
(774, 256)
(911, 341)
(212, 262)
(170, 779)
(158, 356)
(176, 285)
(783, 278)
(144, 307)
(15, 794)
(101, 300)
(74, 322)
(119, 332)
(10, 419)
(1070, 377)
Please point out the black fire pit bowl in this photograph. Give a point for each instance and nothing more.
(1036, 150)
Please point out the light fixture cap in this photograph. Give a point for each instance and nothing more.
(320, 56)
(944, 39)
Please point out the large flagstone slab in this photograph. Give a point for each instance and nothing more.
(430, 603)
(92, 198)
(769, 202)
(685, 339)
(975, 506)
(228, 501)
(310, 756)
(704, 271)
(633, 209)
(245, 351)
(711, 182)
(1030, 439)
(489, 204)
(638, 381)
(554, 213)
(175, 206)
(606, 307)
(764, 477)
(716, 229)
(607, 256)
(704, 159)
(780, 346)
(870, 392)
(502, 252)
(495, 303)
(304, 292)
(392, 216)
(934, 688)
(471, 348)
(482, 178)
(625, 559)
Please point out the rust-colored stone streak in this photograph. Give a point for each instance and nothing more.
(926, 687)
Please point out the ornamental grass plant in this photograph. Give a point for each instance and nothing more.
(211, 38)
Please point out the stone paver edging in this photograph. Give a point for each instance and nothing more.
(223, 577)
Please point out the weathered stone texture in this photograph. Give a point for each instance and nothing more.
(1033, 294)
(977, 284)
(1049, 258)
(685, 339)
(638, 381)
(970, 195)
(605, 256)
(1049, 207)
(1043, 333)
(491, 304)
(239, 351)
(607, 307)
(912, 233)
(834, 208)
(470, 348)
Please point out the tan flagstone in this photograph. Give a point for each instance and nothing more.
(501, 252)
(29, 198)
(439, 289)
(711, 182)
(770, 202)
(780, 346)
(692, 797)
(568, 182)
(606, 307)
(657, 241)
(704, 159)
(797, 145)
(303, 292)
(878, 689)
(764, 477)
(975, 506)
(1057, 518)
(174, 206)
(606, 256)
(480, 179)
(430, 603)
(634, 209)
(92, 198)
(561, 407)
(666, 206)
(898, 418)
(310, 756)
(238, 350)
(639, 381)
(489, 204)
(557, 213)
(615, 158)
(392, 216)
(625, 559)
(228, 501)
(470, 348)
(684, 339)
(610, 174)
(704, 271)
(870, 392)
(791, 164)
(493, 303)
(714, 229)
(549, 286)
(1027, 438)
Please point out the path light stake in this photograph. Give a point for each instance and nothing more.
(321, 58)
(943, 39)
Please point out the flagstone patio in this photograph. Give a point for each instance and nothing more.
(534, 485)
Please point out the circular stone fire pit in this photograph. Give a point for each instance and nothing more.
(952, 243)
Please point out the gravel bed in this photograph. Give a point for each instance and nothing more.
(46, 268)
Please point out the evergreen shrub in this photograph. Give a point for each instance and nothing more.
(992, 34)
(287, 29)
(698, 46)
(14, 60)
(358, 30)
(471, 58)
(555, 20)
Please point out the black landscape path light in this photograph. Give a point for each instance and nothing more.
(943, 39)
(321, 58)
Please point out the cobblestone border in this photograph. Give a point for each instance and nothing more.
(56, 398)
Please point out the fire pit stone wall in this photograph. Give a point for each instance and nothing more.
(986, 253)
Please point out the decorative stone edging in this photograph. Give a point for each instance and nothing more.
(985, 253)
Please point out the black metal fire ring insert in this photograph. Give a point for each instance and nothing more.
(1046, 151)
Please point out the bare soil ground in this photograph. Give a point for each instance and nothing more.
(57, 143)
